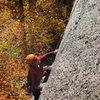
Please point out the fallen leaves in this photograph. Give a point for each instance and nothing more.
(11, 80)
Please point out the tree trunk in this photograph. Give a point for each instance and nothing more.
(22, 26)
(21, 10)
(76, 70)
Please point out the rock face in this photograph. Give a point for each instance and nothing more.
(76, 70)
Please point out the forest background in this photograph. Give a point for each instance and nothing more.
(27, 26)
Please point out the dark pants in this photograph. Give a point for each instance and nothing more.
(36, 94)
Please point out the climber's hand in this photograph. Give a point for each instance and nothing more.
(56, 51)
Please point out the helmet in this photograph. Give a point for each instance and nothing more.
(31, 57)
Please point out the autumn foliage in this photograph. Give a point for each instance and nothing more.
(27, 26)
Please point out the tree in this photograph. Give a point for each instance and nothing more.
(76, 70)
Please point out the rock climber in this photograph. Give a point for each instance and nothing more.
(37, 70)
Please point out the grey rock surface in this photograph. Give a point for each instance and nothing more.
(76, 70)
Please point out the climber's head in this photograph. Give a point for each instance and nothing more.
(31, 59)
